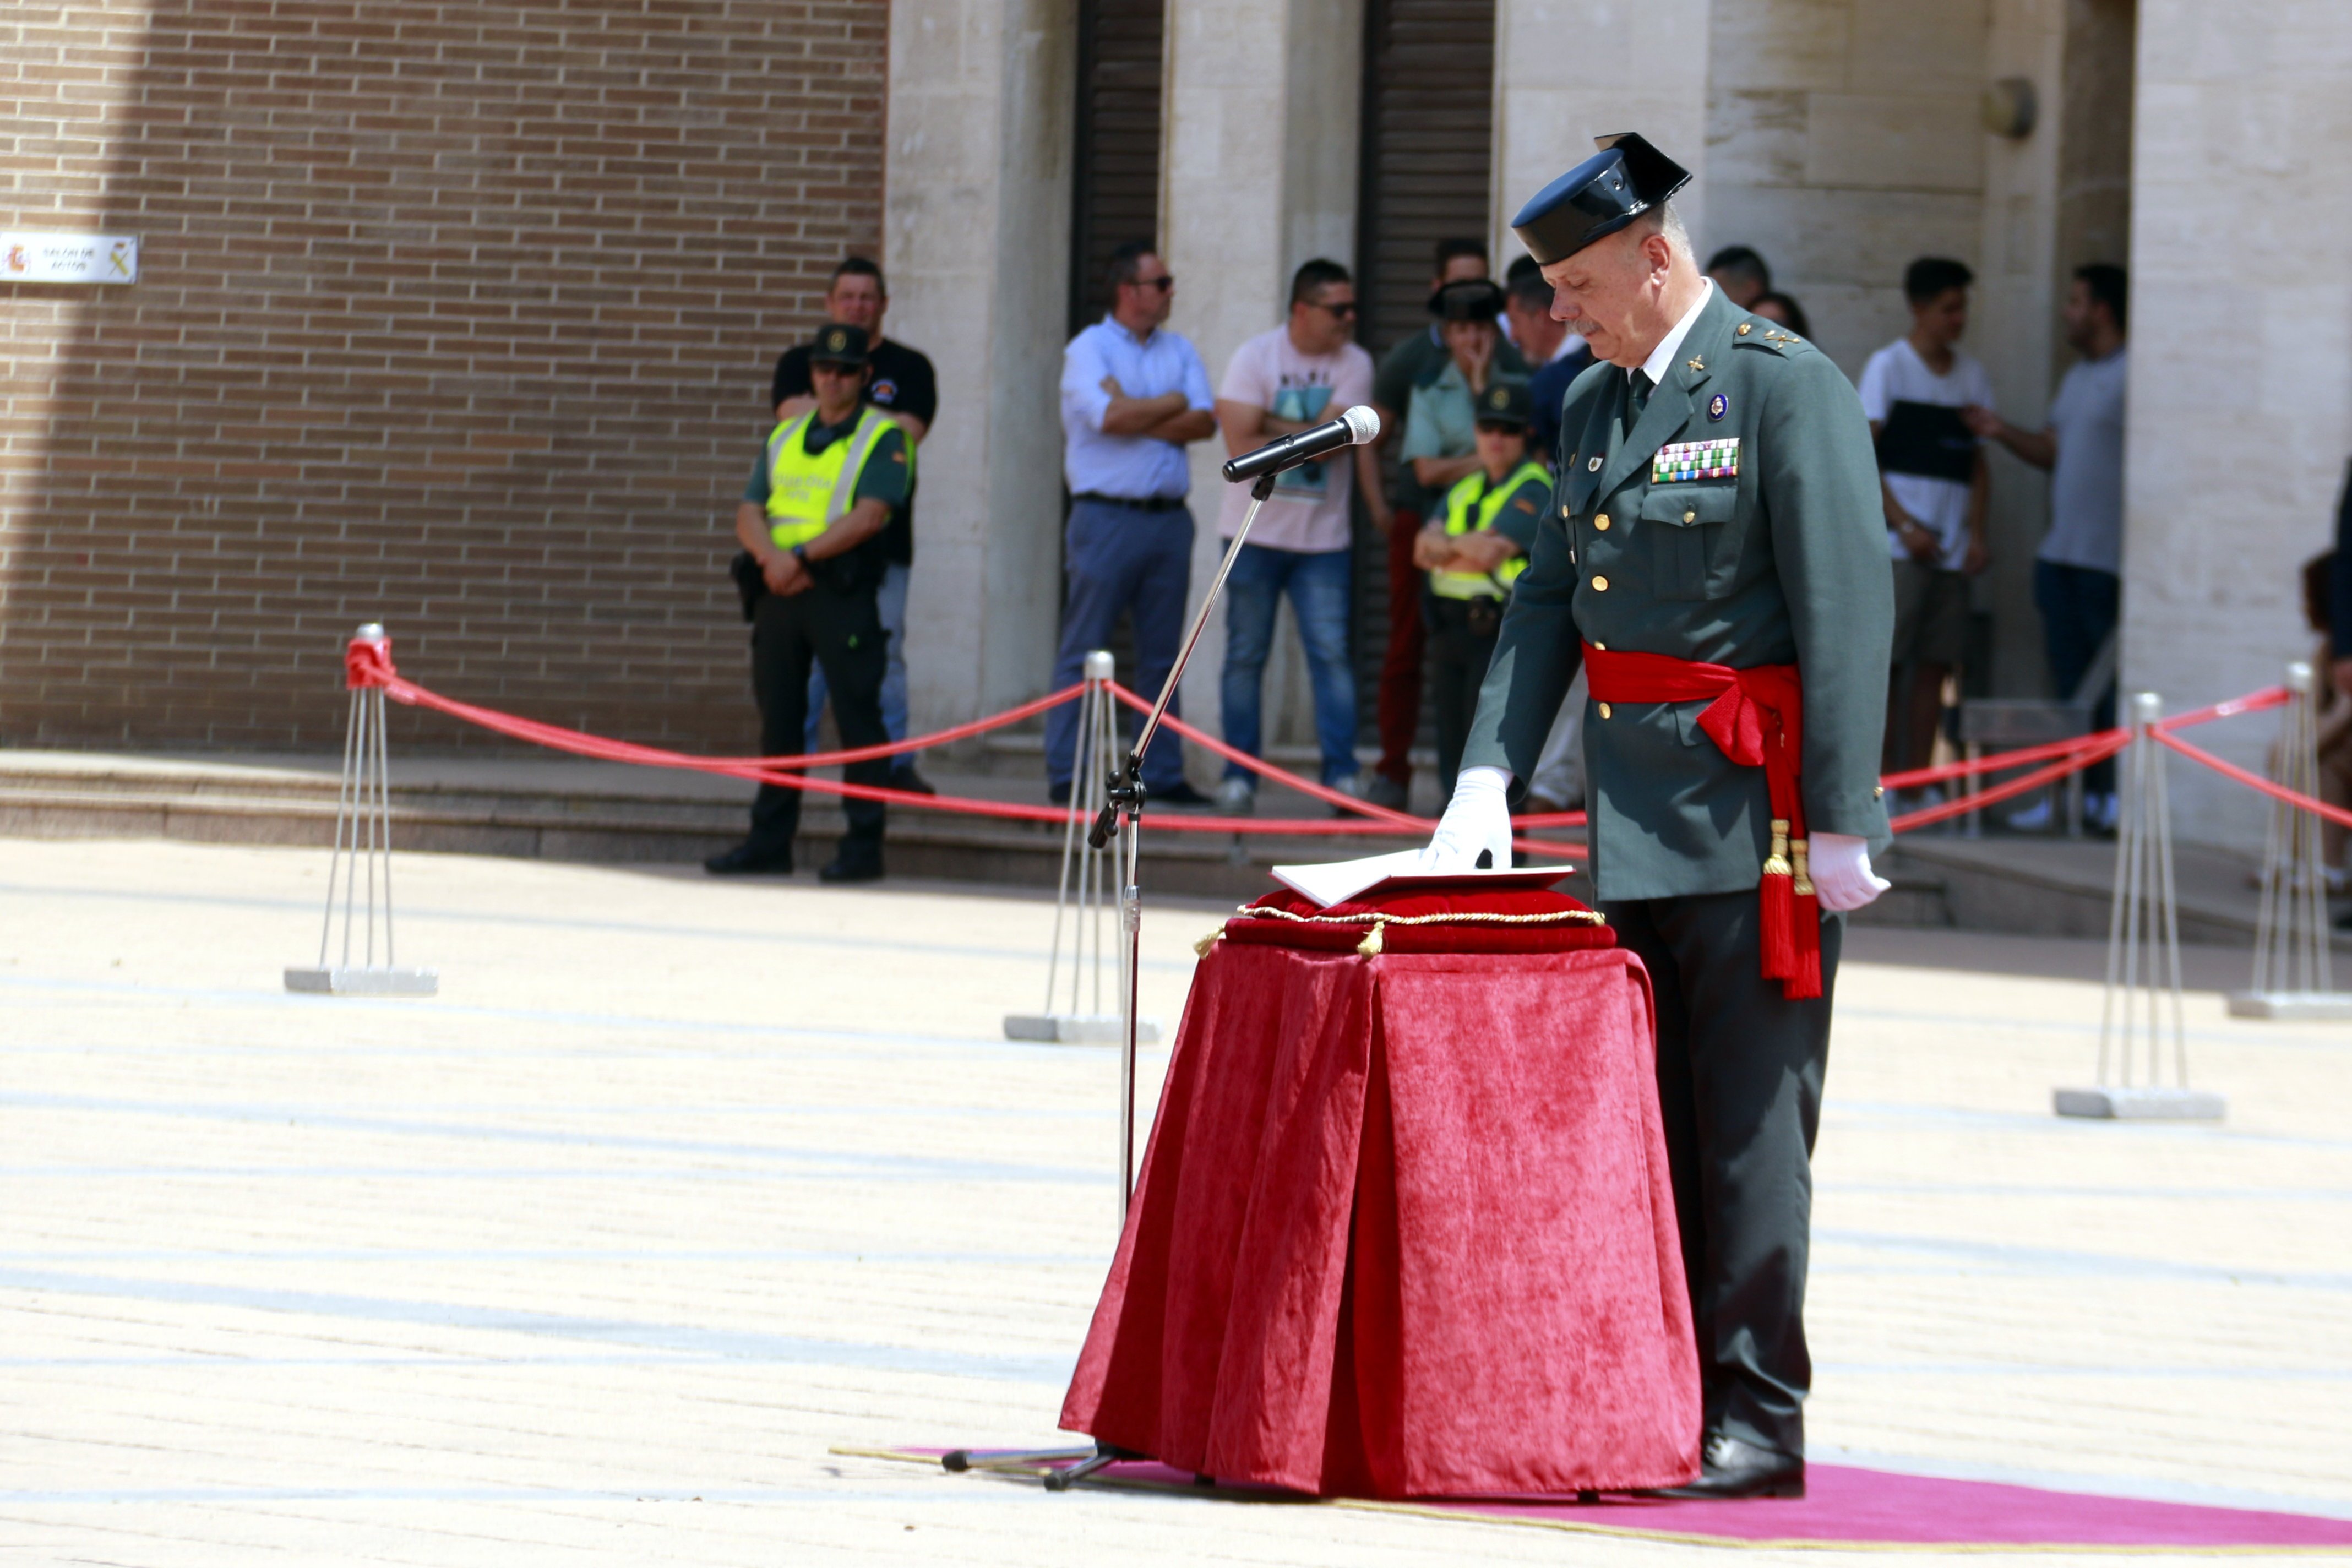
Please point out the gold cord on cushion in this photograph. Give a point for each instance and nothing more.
(1776, 864)
(1372, 944)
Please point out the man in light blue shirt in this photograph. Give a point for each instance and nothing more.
(1133, 395)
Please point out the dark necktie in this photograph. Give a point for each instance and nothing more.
(1637, 395)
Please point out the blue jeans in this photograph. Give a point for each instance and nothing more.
(1319, 583)
(1121, 559)
(2079, 605)
(891, 600)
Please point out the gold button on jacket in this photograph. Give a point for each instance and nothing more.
(1601, 522)
(1600, 584)
(1604, 710)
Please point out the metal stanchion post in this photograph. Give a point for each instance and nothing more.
(1120, 820)
(1081, 900)
(2293, 976)
(362, 849)
(2143, 958)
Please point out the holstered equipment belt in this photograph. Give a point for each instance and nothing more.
(1757, 718)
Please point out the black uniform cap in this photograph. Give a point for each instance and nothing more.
(837, 344)
(1601, 195)
(1507, 403)
(1467, 299)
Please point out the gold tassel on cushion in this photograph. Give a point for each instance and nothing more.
(1200, 948)
(1371, 946)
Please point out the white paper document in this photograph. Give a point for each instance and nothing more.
(1335, 881)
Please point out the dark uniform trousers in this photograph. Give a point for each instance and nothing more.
(1459, 653)
(842, 634)
(1739, 1078)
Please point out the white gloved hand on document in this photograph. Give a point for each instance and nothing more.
(1478, 818)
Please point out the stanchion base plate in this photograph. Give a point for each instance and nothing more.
(1076, 1028)
(2292, 1006)
(348, 981)
(2140, 1104)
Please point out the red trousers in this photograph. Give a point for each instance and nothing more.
(1401, 670)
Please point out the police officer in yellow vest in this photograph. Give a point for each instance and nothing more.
(823, 489)
(1473, 552)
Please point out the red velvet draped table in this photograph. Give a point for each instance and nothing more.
(1404, 1230)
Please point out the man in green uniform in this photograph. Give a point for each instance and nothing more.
(822, 489)
(1717, 558)
(1473, 552)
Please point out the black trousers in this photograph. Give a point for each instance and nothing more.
(843, 634)
(1739, 1079)
(1458, 657)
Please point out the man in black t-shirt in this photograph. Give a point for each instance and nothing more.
(903, 386)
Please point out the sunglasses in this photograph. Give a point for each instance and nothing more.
(1343, 310)
(1162, 283)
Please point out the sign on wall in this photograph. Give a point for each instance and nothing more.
(28, 256)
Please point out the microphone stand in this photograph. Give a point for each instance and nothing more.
(1122, 815)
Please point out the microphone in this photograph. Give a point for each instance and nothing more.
(1353, 429)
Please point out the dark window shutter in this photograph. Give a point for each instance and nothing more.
(1116, 181)
(1429, 89)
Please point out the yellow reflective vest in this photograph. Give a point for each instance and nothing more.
(807, 493)
(1472, 506)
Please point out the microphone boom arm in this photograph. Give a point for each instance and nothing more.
(1126, 791)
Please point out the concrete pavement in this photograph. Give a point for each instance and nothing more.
(676, 1184)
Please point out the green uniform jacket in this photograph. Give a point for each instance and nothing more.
(1785, 562)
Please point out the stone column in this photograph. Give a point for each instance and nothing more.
(1569, 70)
(976, 225)
(2240, 412)
(1259, 175)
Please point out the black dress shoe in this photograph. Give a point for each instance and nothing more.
(1730, 1468)
(1178, 794)
(906, 778)
(746, 859)
(853, 863)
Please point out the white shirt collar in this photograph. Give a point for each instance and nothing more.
(1661, 358)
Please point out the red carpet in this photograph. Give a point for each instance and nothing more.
(1845, 1508)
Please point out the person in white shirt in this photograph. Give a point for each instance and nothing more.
(1133, 396)
(2078, 570)
(1279, 383)
(1933, 479)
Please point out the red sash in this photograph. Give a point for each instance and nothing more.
(1757, 718)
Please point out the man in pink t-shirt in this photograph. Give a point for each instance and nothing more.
(1297, 376)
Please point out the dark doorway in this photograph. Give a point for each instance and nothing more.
(1428, 138)
(1428, 125)
(1115, 184)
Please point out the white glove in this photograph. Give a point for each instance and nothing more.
(1477, 818)
(1840, 865)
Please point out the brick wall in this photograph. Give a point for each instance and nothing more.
(454, 316)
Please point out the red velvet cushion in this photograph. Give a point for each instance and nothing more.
(1344, 926)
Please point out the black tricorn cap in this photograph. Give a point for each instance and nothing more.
(1467, 299)
(1507, 403)
(1601, 195)
(837, 344)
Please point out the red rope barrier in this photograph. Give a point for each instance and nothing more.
(2253, 780)
(2000, 762)
(1320, 792)
(369, 663)
(2267, 697)
(2111, 741)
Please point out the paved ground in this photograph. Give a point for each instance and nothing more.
(677, 1183)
